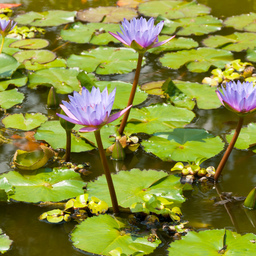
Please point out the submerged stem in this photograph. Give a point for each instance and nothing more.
(68, 145)
(107, 172)
(229, 149)
(2, 44)
(132, 94)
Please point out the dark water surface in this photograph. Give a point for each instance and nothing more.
(34, 238)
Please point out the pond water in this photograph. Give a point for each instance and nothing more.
(34, 238)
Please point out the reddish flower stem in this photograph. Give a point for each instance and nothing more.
(68, 145)
(107, 172)
(228, 150)
(132, 94)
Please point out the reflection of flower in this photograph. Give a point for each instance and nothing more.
(91, 109)
(238, 97)
(140, 34)
(6, 26)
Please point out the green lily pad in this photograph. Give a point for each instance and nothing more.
(39, 56)
(48, 18)
(94, 33)
(106, 14)
(6, 48)
(173, 9)
(57, 63)
(45, 185)
(158, 118)
(214, 242)
(10, 98)
(192, 26)
(251, 55)
(199, 60)
(8, 65)
(63, 80)
(34, 43)
(5, 242)
(29, 122)
(131, 190)
(6, 189)
(244, 22)
(175, 44)
(53, 133)
(183, 145)
(18, 79)
(236, 42)
(105, 61)
(112, 232)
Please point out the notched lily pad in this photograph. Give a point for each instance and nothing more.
(10, 98)
(18, 79)
(6, 189)
(57, 63)
(34, 43)
(5, 242)
(106, 14)
(6, 48)
(39, 56)
(8, 65)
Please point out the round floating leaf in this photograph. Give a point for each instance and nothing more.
(53, 133)
(154, 88)
(158, 118)
(192, 26)
(5, 242)
(10, 98)
(29, 122)
(105, 61)
(45, 185)
(43, 19)
(57, 63)
(175, 44)
(8, 65)
(6, 47)
(6, 189)
(18, 79)
(242, 22)
(94, 33)
(214, 242)
(236, 42)
(173, 9)
(130, 4)
(112, 233)
(251, 55)
(106, 14)
(64, 80)
(199, 60)
(131, 190)
(39, 56)
(34, 43)
(183, 145)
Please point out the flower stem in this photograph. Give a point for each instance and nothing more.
(107, 172)
(2, 44)
(132, 94)
(68, 145)
(229, 149)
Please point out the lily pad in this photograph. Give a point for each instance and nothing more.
(214, 242)
(105, 61)
(173, 9)
(106, 14)
(10, 98)
(192, 26)
(244, 22)
(63, 80)
(112, 232)
(18, 79)
(39, 56)
(57, 63)
(251, 55)
(53, 133)
(158, 118)
(34, 43)
(48, 18)
(8, 65)
(94, 33)
(5, 242)
(29, 122)
(199, 60)
(45, 185)
(175, 44)
(236, 42)
(131, 190)
(183, 145)
(6, 48)
(6, 189)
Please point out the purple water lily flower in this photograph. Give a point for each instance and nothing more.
(239, 97)
(6, 26)
(91, 109)
(140, 34)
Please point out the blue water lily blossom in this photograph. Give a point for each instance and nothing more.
(140, 34)
(91, 110)
(6, 26)
(238, 97)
